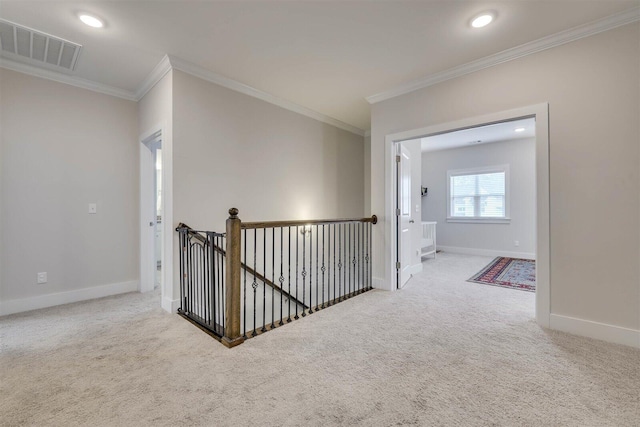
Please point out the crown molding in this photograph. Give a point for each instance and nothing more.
(554, 40)
(158, 72)
(210, 76)
(66, 79)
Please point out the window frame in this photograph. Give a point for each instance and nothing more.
(480, 171)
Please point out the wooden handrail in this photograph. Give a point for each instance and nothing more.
(198, 236)
(272, 224)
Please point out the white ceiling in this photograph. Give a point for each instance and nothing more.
(497, 132)
(323, 55)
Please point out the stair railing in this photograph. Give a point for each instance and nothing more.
(272, 272)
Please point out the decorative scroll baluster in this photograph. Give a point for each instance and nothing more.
(334, 267)
(323, 267)
(339, 262)
(254, 285)
(264, 282)
(289, 298)
(297, 252)
(244, 305)
(273, 276)
(310, 270)
(304, 266)
(281, 275)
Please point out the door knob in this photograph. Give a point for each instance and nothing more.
(411, 221)
(151, 224)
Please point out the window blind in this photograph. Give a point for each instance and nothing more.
(478, 195)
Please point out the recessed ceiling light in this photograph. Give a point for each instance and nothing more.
(482, 20)
(91, 20)
(519, 129)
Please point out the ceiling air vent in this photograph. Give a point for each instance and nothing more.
(17, 41)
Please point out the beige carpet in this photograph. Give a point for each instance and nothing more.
(441, 352)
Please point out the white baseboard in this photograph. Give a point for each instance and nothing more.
(59, 298)
(599, 331)
(486, 252)
(170, 305)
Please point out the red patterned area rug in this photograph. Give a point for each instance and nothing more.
(511, 273)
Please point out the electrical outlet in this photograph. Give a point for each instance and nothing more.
(516, 243)
(42, 278)
(93, 208)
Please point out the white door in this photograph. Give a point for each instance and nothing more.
(404, 216)
(148, 212)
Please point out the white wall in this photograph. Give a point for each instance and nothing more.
(232, 150)
(367, 175)
(592, 89)
(63, 148)
(479, 238)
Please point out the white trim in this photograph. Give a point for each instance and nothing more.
(596, 330)
(158, 72)
(170, 305)
(479, 220)
(59, 298)
(548, 42)
(210, 76)
(66, 79)
(543, 258)
(486, 252)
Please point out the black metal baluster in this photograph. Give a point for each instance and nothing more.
(181, 238)
(323, 266)
(281, 276)
(310, 231)
(211, 301)
(289, 297)
(317, 285)
(356, 236)
(360, 263)
(189, 274)
(264, 283)
(304, 271)
(369, 264)
(334, 266)
(297, 252)
(244, 305)
(221, 281)
(273, 275)
(339, 262)
(254, 285)
(351, 279)
(359, 279)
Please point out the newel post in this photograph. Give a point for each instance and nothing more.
(232, 335)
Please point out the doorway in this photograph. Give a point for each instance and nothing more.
(151, 213)
(542, 249)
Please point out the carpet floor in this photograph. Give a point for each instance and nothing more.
(440, 352)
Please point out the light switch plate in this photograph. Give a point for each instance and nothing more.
(42, 278)
(93, 208)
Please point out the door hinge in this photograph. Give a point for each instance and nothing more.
(397, 212)
(397, 266)
(397, 159)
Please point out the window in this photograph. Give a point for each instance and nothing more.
(478, 195)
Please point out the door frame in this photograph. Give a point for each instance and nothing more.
(147, 167)
(543, 261)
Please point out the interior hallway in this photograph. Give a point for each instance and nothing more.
(440, 352)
